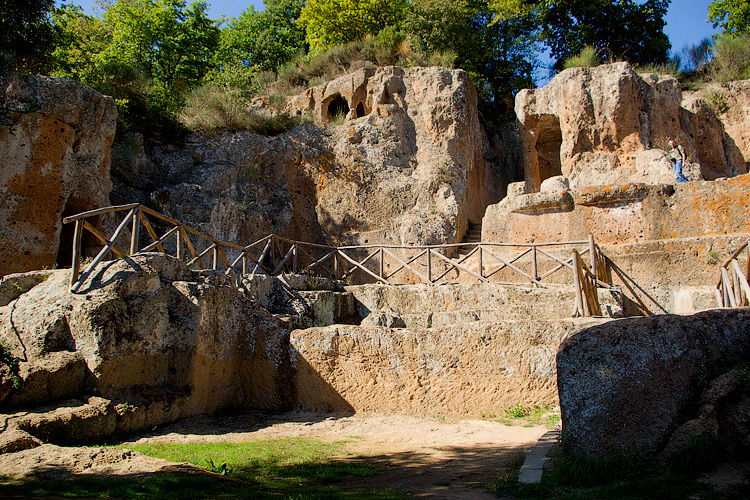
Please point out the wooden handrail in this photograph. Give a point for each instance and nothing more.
(428, 263)
(733, 289)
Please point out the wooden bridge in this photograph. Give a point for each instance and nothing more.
(537, 264)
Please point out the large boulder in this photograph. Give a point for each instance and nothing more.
(626, 386)
(403, 163)
(55, 138)
(156, 340)
(591, 125)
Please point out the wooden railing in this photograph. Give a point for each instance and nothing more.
(388, 264)
(587, 280)
(733, 289)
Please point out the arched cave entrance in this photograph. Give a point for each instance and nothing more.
(361, 110)
(548, 142)
(337, 107)
(89, 243)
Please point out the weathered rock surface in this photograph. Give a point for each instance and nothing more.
(405, 166)
(305, 301)
(659, 238)
(153, 339)
(732, 102)
(627, 385)
(622, 214)
(593, 124)
(452, 370)
(55, 138)
(424, 306)
(57, 463)
(724, 416)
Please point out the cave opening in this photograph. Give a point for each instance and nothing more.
(361, 110)
(548, 143)
(338, 108)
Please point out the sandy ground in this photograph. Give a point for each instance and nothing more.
(427, 457)
(430, 458)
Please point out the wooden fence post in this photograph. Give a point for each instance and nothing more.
(180, 244)
(592, 256)
(481, 261)
(429, 265)
(382, 264)
(76, 264)
(135, 233)
(578, 309)
(534, 264)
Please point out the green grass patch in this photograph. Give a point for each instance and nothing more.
(280, 468)
(526, 415)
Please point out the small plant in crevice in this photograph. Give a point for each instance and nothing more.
(717, 100)
(13, 364)
(587, 58)
(338, 119)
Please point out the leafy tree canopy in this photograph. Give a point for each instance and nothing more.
(499, 53)
(167, 41)
(27, 35)
(263, 40)
(620, 29)
(627, 29)
(331, 22)
(732, 15)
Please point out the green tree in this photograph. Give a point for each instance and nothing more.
(332, 22)
(731, 15)
(169, 43)
(498, 52)
(620, 29)
(83, 39)
(266, 40)
(27, 35)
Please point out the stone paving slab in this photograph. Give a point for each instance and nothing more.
(533, 466)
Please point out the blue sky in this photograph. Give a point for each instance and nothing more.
(686, 19)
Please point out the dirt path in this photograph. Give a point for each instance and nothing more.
(429, 457)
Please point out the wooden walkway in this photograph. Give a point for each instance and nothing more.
(534, 264)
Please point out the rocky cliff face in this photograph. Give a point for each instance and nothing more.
(151, 339)
(596, 126)
(731, 101)
(55, 139)
(395, 155)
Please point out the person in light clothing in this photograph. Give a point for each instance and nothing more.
(677, 157)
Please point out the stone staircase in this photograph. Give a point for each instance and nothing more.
(423, 306)
(473, 235)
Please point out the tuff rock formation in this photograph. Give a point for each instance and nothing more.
(599, 126)
(627, 386)
(151, 339)
(55, 138)
(403, 164)
(731, 102)
(452, 349)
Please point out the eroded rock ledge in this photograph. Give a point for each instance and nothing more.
(148, 342)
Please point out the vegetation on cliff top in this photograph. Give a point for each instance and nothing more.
(152, 55)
